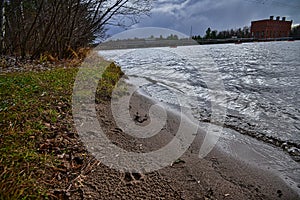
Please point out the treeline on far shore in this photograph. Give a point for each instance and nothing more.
(233, 34)
(241, 40)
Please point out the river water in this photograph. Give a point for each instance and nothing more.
(260, 82)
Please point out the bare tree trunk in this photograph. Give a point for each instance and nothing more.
(2, 25)
(41, 47)
(29, 32)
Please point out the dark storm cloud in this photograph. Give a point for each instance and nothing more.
(180, 15)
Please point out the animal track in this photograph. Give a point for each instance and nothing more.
(132, 178)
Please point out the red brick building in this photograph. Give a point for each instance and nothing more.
(271, 28)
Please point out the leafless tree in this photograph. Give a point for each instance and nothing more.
(34, 27)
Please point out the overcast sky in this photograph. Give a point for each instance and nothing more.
(180, 15)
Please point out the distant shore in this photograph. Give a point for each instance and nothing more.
(243, 40)
(151, 43)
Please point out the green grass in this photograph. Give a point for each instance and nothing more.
(31, 104)
(28, 103)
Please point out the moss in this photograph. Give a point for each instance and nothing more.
(107, 83)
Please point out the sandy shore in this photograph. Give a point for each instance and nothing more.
(218, 176)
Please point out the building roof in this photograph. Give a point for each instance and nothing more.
(283, 19)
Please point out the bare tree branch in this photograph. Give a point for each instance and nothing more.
(36, 27)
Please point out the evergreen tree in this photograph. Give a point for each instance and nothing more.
(208, 33)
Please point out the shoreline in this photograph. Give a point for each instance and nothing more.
(219, 175)
(246, 151)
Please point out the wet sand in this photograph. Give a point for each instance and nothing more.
(219, 175)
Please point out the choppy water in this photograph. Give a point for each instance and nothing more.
(261, 84)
